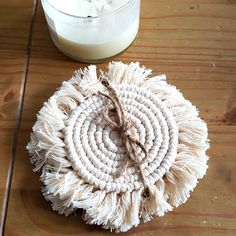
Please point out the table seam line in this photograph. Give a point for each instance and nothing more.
(15, 136)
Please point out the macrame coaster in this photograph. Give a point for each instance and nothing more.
(122, 146)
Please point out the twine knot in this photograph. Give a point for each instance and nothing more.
(124, 126)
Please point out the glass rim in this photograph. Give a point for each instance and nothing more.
(93, 17)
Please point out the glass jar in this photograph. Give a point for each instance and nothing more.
(92, 39)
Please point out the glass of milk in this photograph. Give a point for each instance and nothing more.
(92, 30)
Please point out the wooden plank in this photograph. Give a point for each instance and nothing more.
(15, 21)
(193, 42)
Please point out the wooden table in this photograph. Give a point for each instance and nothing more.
(192, 42)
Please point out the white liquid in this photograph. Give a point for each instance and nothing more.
(92, 39)
(86, 8)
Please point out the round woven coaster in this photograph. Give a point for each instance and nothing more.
(128, 150)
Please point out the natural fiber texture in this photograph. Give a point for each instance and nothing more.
(125, 127)
(102, 142)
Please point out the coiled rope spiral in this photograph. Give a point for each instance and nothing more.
(118, 174)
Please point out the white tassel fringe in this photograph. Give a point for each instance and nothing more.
(119, 212)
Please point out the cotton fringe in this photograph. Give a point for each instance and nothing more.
(119, 212)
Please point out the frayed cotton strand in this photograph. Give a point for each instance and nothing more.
(74, 179)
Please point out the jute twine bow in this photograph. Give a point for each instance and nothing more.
(124, 127)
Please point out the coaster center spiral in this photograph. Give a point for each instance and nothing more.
(97, 151)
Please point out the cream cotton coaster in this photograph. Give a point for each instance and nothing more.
(123, 146)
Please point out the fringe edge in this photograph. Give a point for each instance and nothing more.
(67, 192)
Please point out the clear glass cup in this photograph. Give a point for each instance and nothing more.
(93, 39)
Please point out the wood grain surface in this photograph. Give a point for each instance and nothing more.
(15, 21)
(194, 44)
